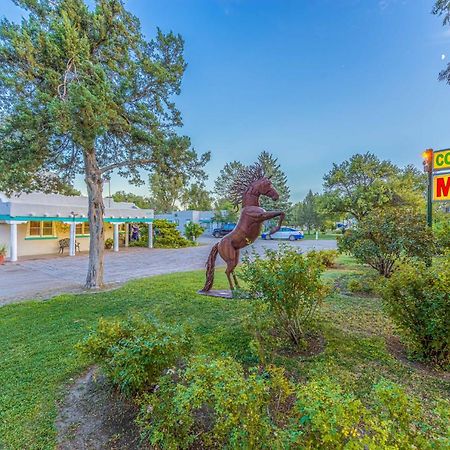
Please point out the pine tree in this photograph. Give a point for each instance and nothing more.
(279, 180)
(83, 92)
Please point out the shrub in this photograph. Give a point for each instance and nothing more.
(136, 351)
(326, 257)
(2, 250)
(212, 404)
(193, 230)
(328, 418)
(167, 235)
(417, 298)
(290, 283)
(388, 236)
(109, 243)
(358, 283)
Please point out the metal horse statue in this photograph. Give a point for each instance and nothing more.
(249, 185)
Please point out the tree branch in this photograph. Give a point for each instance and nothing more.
(129, 162)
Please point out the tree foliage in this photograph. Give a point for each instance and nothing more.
(307, 212)
(83, 92)
(138, 200)
(165, 191)
(272, 169)
(279, 180)
(226, 178)
(388, 236)
(196, 197)
(359, 185)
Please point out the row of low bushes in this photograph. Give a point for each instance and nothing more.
(195, 401)
(202, 402)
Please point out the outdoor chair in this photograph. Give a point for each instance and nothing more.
(65, 243)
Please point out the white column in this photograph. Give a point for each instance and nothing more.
(127, 234)
(73, 228)
(13, 241)
(150, 235)
(116, 237)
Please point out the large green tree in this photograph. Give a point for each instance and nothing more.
(279, 180)
(364, 182)
(308, 214)
(225, 179)
(82, 91)
(196, 197)
(272, 169)
(165, 191)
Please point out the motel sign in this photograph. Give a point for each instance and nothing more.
(441, 187)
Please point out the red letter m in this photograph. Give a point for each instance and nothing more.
(442, 187)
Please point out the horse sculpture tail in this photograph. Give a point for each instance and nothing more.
(210, 264)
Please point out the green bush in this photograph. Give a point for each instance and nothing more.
(328, 418)
(358, 283)
(212, 404)
(388, 236)
(326, 257)
(167, 235)
(136, 351)
(290, 283)
(193, 230)
(417, 298)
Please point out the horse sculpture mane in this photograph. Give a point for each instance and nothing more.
(250, 183)
(243, 181)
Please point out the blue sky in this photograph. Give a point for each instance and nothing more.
(312, 81)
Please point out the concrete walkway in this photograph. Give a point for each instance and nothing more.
(42, 278)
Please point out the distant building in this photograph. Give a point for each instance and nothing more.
(181, 218)
(34, 224)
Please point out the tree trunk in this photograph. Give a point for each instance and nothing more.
(94, 184)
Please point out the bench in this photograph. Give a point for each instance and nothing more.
(65, 243)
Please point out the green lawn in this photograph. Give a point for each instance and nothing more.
(327, 236)
(37, 341)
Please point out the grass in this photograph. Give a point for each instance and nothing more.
(326, 236)
(38, 359)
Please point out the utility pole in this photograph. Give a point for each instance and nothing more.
(428, 169)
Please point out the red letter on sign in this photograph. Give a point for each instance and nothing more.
(442, 187)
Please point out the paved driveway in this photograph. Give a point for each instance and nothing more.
(44, 277)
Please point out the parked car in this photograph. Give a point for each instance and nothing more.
(223, 230)
(284, 233)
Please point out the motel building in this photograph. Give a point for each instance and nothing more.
(35, 224)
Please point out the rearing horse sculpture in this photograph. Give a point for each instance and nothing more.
(249, 185)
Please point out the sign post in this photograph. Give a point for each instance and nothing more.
(428, 168)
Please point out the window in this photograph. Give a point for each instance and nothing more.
(41, 229)
(35, 229)
(82, 229)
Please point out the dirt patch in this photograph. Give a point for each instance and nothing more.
(314, 345)
(399, 352)
(93, 416)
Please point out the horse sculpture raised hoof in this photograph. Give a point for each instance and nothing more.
(249, 185)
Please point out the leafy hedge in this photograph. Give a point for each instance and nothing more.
(165, 233)
(417, 298)
(212, 403)
(136, 351)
